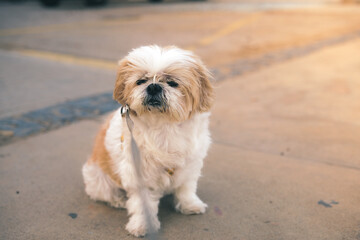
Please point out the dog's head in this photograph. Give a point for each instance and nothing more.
(170, 82)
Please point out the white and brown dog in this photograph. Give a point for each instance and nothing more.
(169, 95)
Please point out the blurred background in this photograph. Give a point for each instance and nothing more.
(284, 163)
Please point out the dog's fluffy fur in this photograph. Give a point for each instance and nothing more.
(169, 95)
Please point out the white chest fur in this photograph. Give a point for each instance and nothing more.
(177, 146)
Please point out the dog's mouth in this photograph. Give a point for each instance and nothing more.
(154, 101)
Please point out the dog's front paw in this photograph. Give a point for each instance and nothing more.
(138, 227)
(194, 206)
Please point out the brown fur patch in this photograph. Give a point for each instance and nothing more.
(100, 155)
(205, 98)
(124, 71)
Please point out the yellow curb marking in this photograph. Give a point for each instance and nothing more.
(70, 59)
(224, 31)
(104, 64)
(65, 26)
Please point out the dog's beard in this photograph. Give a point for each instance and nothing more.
(157, 102)
(151, 104)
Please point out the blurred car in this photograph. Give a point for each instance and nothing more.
(54, 3)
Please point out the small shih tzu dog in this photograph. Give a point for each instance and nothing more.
(168, 95)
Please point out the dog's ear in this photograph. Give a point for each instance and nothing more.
(204, 98)
(122, 74)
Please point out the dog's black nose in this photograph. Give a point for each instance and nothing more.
(153, 89)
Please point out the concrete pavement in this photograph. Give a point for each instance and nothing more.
(29, 90)
(285, 159)
(275, 157)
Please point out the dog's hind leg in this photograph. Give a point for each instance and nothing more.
(101, 187)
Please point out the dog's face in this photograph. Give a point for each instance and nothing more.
(169, 82)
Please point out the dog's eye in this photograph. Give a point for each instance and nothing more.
(141, 81)
(172, 84)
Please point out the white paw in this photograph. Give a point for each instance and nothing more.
(196, 206)
(118, 203)
(138, 227)
(154, 226)
(118, 199)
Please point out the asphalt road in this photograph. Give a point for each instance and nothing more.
(285, 159)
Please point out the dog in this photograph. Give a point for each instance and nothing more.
(169, 93)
